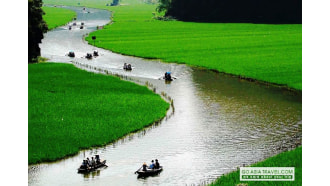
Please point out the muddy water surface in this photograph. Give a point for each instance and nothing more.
(218, 123)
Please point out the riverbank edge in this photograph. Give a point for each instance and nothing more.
(72, 18)
(239, 77)
(233, 178)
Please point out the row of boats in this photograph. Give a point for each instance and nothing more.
(75, 24)
(128, 67)
(88, 55)
(86, 167)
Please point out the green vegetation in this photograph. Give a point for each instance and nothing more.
(271, 53)
(266, 52)
(55, 17)
(286, 159)
(71, 109)
(37, 26)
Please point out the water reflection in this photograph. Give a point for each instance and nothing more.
(92, 174)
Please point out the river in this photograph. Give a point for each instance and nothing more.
(218, 123)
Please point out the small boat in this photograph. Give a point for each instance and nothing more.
(89, 56)
(168, 76)
(127, 66)
(82, 23)
(71, 54)
(149, 172)
(74, 24)
(95, 53)
(70, 27)
(81, 27)
(84, 169)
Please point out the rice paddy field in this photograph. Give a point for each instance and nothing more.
(265, 52)
(71, 109)
(55, 17)
(286, 159)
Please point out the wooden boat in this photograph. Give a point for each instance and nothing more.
(71, 54)
(83, 169)
(95, 53)
(127, 67)
(168, 76)
(149, 172)
(89, 56)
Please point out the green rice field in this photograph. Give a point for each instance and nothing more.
(265, 52)
(71, 109)
(55, 17)
(286, 159)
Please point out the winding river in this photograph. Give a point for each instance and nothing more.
(218, 122)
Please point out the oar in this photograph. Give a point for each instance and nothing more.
(138, 169)
(104, 164)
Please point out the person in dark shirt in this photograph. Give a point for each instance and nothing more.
(144, 167)
(157, 164)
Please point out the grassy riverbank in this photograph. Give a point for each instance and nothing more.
(266, 52)
(56, 17)
(71, 109)
(286, 159)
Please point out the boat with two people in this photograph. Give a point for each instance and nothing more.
(89, 56)
(95, 53)
(71, 54)
(127, 66)
(167, 76)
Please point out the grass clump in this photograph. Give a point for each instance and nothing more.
(55, 17)
(286, 159)
(71, 109)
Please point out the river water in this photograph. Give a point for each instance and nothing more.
(218, 122)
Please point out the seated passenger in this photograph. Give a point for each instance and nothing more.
(157, 164)
(92, 162)
(84, 164)
(97, 159)
(152, 165)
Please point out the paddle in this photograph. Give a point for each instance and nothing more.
(138, 169)
(103, 162)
